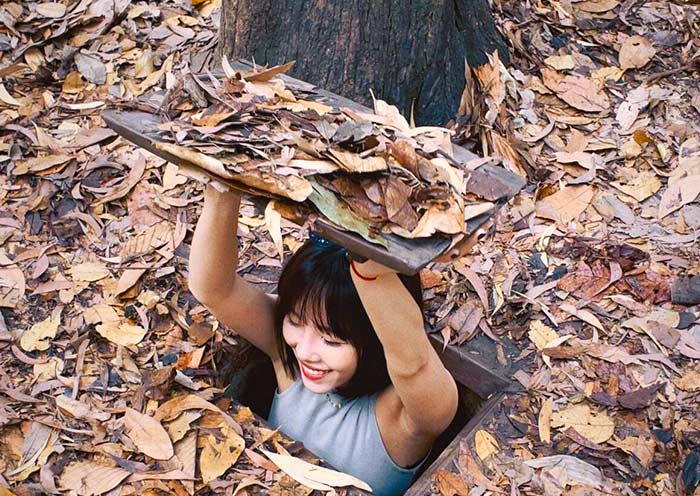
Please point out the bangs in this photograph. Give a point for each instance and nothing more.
(321, 295)
(315, 287)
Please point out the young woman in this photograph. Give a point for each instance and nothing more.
(357, 379)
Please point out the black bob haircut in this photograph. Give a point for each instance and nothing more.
(316, 285)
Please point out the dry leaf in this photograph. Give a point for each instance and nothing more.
(51, 9)
(88, 272)
(560, 62)
(583, 314)
(124, 333)
(89, 478)
(218, 453)
(544, 421)
(40, 335)
(313, 476)
(273, 221)
(595, 427)
(485, 444)
(578, 91)
(636, 52)
(566, 204)
(172, 408)
(80, 410)
(148, 435)
(541, 334)
(450, 484)
(690, 381)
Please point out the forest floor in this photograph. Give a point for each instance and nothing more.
(599, 107)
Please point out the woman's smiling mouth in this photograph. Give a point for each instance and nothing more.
(312, 373)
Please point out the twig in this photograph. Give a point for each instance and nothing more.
(671, 72)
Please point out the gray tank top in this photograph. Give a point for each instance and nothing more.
(342, 432)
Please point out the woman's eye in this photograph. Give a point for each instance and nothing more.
(332, 343)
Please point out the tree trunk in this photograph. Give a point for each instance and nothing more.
(410, 54)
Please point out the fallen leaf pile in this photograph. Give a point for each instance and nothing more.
(366, 172)
(112, 374)
(600, 109)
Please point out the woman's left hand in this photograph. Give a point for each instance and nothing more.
(370, 269)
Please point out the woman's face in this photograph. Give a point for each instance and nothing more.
(325, 362)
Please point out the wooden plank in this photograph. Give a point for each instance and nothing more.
(445, 461)
(471, 368)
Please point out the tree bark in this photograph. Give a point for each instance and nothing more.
(410, 54)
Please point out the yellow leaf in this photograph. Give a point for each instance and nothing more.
(123, 334)
(49, 370)
(544, 421)
(273, 221)
(596, 427)
(485, 444)
(690, 381)
(560, 62)
(40, 335)
(313, 476)
(541, 334)
(148, 435)
(218, 454)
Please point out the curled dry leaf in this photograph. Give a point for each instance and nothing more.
(313, 476)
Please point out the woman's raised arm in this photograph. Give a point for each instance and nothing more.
(427, 391)
(212, 273)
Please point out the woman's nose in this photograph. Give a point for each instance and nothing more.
(306, 348)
